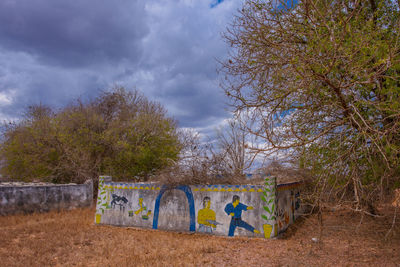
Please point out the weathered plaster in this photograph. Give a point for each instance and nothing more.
(181, 208)
(27, 198)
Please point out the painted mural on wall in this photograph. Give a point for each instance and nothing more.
(206, 217)
(120, 201)
(142, 210)
(268, 197)
(230, 210)
(109, 191)
(190, 200)
(235, 210)
(288, 203)
(101, 204)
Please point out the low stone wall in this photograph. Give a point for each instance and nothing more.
(39, 197)
(232, 210)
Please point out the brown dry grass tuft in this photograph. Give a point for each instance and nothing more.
(70, 238)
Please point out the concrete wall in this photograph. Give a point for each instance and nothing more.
(27, 198)
(288, 205)
(200, 208)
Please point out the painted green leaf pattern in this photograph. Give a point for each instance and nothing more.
(267, 209)
(102, 198)
(263, 198)
(268, 197)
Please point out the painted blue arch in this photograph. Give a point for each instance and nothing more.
(190, 199)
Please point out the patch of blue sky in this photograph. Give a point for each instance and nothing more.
(279, 117)
(286, 5)
(215, 3)
(283, 6)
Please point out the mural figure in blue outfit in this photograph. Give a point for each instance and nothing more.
(235, 209)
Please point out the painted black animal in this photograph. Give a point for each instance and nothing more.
(118, 200)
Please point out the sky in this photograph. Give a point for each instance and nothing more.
(54, 51)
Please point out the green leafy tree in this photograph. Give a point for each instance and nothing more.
(120, 133)
(320, 80)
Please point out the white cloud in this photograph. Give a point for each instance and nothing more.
(6, 98)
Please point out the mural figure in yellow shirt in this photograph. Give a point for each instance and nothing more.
(143, 210)
(206, 217)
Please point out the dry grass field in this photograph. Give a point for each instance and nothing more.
(71, 239)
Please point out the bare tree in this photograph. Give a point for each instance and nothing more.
(231, 143)
(320, 79)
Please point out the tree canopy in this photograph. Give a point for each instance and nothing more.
(320, 79)
(119, 133)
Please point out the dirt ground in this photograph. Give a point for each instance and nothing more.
(70, 238)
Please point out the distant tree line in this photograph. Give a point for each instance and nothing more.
(119, 133)
(122, 134)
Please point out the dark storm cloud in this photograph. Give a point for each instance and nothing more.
(73, 33)
(180, 58)
(53, 51)
(198, 100)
